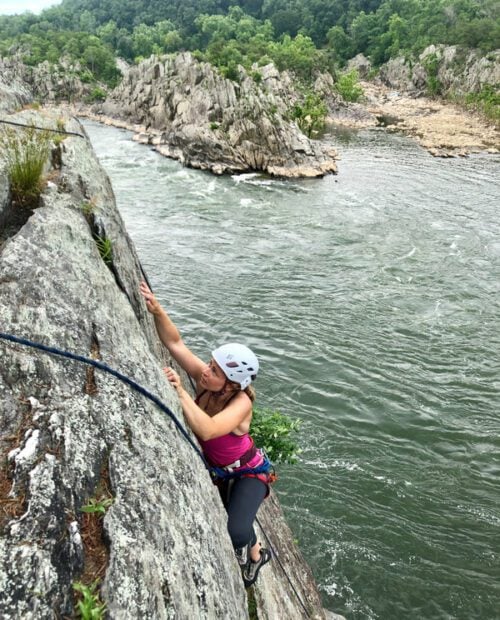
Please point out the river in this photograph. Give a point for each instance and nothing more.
(372, 299)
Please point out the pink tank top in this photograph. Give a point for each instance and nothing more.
(225, 450)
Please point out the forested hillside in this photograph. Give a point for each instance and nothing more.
(303, 35)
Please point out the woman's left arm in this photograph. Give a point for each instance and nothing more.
(200, 422)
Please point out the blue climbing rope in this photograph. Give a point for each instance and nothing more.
(115, 373)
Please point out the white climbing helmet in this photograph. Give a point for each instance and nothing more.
(238, 363)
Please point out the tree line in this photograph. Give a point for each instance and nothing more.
(301, 35)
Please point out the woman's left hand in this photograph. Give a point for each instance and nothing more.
(173, 378)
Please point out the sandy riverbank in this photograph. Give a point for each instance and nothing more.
(444, 129)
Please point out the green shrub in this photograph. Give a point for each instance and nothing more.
(348, 87)
(25, 153)
(431, 65)
(486, 101)
(257, 77)
(96, 94)
(86, 76)
(231, 72)
(310, 114)
(275, 432)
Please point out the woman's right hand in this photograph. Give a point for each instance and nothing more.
(152, 304)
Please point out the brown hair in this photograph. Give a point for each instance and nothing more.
(250, 392)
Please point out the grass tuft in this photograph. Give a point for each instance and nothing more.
(25, 153)
(105, 247)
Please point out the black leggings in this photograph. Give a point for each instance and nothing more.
(245, 497)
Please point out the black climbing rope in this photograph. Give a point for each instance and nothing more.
(276, 557)
(68, 133)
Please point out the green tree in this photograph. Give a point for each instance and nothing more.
(340, 43)
(310, 114)
(348, 87)
(298, 55)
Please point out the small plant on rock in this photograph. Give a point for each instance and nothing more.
(97, 506)
(89, 607)
(25, 154)
(88, 208)
(57, 138)
(105, 247)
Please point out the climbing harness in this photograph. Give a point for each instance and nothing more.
(141, 390)
(227, 472)
(68, 133)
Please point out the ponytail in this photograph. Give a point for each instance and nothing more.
(250, 392)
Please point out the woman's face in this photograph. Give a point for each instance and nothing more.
(212, 377)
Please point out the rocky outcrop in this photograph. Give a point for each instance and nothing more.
(361, 64)
(403, 98)
(453, 69)
(48, 83)
(70, 434)
(188, 111)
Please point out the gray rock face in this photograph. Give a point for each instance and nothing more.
(209, 122)
(14, 91)
(458, 70)
(65, 431)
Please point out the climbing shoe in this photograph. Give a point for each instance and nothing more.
(242, 556)
(251, 570)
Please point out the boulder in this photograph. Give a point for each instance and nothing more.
(361, 64)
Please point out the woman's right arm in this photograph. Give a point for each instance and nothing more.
(170, 336)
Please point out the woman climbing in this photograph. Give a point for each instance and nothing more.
(220, 417)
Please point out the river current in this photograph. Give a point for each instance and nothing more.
(372, 299)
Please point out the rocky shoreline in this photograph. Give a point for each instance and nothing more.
(186, 110)
(398, 99)
(440, 127)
